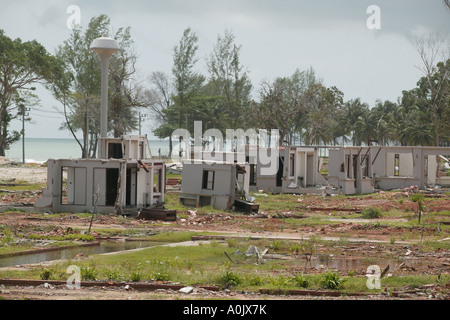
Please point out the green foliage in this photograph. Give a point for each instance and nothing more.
(301, 280)
(24, 64)
(331, 280)
(113, 275)
(230, 279)
(88, 273)
(6, 236)
(279, 281)
(160, 276)
(371, 213)
(136, 276)
(46, 274)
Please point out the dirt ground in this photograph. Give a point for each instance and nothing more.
(356, 237)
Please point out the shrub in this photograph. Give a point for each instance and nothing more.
(113, 275)
(331, 281)
(160, 276)
(279, 281)
(301, 280)
(231, 279)
(46, 274)
(88, 273)
(255, 280)
(371, 213)
(135, 276)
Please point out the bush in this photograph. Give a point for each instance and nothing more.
(46, 274)
(230, 279)
(113, 275)
(135, 276)
(255, 280)
(88, 273)
(371, 213)
(301, 280)
(160, 276)
(331, 281)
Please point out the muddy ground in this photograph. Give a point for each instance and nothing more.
(349, 234)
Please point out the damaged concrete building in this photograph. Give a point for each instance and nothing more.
(214, 183)
(123, 182)
(359, 170)
(298, 172)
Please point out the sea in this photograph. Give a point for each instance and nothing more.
(39, 150)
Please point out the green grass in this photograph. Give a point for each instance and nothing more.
(208, 265)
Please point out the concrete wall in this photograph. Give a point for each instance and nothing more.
(346, 167)
(220, 189)
(86, 185)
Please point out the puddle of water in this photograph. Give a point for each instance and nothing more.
(71, 253)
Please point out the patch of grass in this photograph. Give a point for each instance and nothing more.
(175, 236)
(66, 237)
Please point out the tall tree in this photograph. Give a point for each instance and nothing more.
(188, 82)
(229, 79)
(22, 65)
(80, 91)
(432, 49)
(158, 100)
(322, 115)
(354, 109)
(284, 102)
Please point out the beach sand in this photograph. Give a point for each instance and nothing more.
(28, 173)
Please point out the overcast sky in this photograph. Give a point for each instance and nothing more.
(277, 37)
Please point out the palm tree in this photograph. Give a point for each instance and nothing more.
(365, 128)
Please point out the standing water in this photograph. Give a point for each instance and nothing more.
(71, 253)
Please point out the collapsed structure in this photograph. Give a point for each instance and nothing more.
(351, 170)
(214, 183)
(123, 182)
(364, 169)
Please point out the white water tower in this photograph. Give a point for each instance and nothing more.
(105, 47)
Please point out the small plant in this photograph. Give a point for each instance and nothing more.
(331, 280)
(46, 274)
(160, 276)
(88, 273)
(392, 240)
(279, 281)
(276, 245)
(230, 279)
(135, 276)
(255, 280)
(351, 272)
(418, 198)
(301, 280)
(113, 275)
(7, 237)
(295, 248)
(371, 213)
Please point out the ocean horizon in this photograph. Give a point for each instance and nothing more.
(39, 150)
